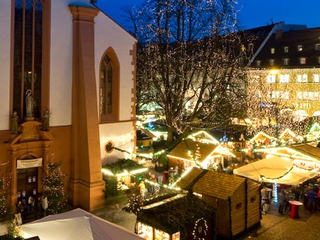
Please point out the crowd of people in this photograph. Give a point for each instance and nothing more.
(36, 205)
(308, 194)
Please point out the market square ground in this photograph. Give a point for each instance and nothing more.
(273, 225)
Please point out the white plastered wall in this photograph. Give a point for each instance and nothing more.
(5, 29)
(110, 34)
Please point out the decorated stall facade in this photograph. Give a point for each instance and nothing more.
(189, 153)
(236, 199)
(180, 217)
(303, 155)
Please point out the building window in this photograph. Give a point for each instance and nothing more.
(299, 95)
(302, 78)
(271, 78)
(300, 48)
(109, 88)
(258, 63)
(106, 86)
(271, 62)
(316, 78)
(303, 60)
(240, 61)
(250, 47)
(286, 49)
(318, 60)
(286, 61)
(272, 50)
(284, 78)
(318, 46)
(27, 70)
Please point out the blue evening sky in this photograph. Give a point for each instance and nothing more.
(252, 13)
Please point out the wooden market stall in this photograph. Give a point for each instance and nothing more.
(189, 153)
(180, 217)
(303, 155)
(236, 199)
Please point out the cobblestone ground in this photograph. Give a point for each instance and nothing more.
(278, 227)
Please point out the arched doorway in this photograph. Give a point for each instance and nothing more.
(29, 153)
(27, 182)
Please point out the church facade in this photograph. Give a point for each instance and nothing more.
(67, 94)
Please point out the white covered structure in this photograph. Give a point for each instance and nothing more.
(76, 224)
(275, 170)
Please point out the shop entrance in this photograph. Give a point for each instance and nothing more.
(27, 182)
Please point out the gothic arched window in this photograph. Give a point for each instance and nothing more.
(109, 88)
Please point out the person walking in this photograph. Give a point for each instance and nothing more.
(44, 204)
(142, 187)
(265, 200)
(282, 201)
(311, 200)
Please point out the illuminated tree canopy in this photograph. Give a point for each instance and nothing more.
(190, 62)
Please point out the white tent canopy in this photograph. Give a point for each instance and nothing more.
(275, 170)
(76, 224)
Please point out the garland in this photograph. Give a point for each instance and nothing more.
(200, 229)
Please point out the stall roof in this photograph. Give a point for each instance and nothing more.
(307, 149)
(275, 170)
(287, 134)
(186, 149)
(175, 215)
(262, 136)
(211, 183)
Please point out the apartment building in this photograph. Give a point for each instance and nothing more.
(284, 72)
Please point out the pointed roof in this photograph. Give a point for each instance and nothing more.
(190, 150)
(203, 136)
(307, 149)
(210, 183)
(261, 136)
(187, 149)
(287, 134)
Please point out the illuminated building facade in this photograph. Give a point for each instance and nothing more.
(285, 69)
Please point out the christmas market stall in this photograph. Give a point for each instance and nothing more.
(302, 155)
(289, 137)
(262, 139)
(180, 217)
(126, 172)
(275, 170)
(189, 153)
(236, 199)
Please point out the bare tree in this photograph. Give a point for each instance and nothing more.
(190, 62)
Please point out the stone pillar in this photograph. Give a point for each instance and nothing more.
(86, 181)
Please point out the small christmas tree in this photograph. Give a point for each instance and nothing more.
(54, 188)
(134, 204)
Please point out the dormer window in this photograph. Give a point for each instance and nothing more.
(272, 50)
(300, 48)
